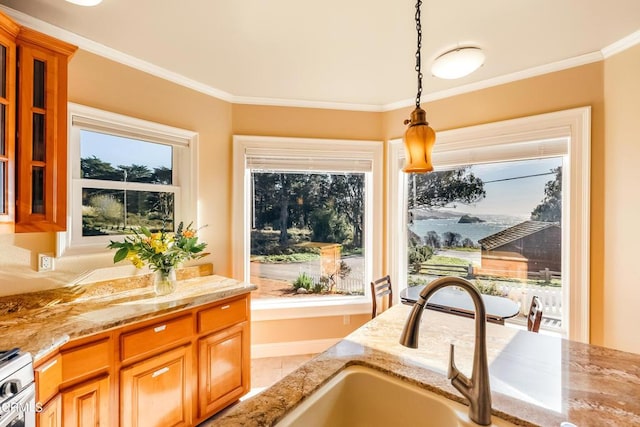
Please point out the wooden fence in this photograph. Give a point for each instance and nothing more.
(471, 272)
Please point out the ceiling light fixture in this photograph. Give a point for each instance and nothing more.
(85, 2)
(419, 137)
(458, 63)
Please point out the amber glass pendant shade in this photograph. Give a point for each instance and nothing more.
(419, 139)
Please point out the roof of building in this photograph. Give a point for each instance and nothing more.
(516, 232)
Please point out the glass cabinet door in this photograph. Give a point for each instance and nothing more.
(7, 131)
(42, 132)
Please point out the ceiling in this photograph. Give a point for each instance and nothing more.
(358, 54)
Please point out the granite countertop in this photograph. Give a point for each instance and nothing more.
(39, 322)
(535, 379)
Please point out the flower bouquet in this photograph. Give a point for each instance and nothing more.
(163, 251)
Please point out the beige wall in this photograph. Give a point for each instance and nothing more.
(620, 295)
(104, 84)
(575, 87)
(101, 83)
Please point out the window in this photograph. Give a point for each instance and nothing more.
(123, 173)
(514, 162)
(310, 229)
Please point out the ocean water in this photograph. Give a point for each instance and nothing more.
(474, 231)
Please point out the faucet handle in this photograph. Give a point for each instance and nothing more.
(457, 378)
(453, 370)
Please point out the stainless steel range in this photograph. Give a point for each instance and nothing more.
(17, 389)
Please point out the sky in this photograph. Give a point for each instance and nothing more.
(124, 151)
(517, 197)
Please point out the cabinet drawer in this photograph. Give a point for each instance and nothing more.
(149, 339)
(86, 359)
(223, 315)
(48, 377)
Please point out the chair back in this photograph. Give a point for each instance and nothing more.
(535, 315)
(381, 295)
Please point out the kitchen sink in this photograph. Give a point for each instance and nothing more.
(361, 396)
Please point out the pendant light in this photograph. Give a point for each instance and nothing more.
(419, 137)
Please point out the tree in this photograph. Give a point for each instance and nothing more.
(94, 168)
(433, 239)
(348, 191)
(550, 209)
(284, 206)
(451, 239)
(328, 226)
(467, 243)
(444, 188)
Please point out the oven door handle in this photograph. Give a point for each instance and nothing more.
(10, 388)
(14, 413)
(20, 407)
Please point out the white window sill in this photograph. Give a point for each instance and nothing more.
(278, 308)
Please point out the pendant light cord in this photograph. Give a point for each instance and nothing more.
(418, 58)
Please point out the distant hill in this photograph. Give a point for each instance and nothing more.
(468, 219)
(433, 214)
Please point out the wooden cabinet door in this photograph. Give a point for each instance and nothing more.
(87, 404)
(41, 197)
(8, 32)
(223, 368)
(51, 414)
(157, 391)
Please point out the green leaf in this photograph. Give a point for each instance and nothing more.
(120, 254)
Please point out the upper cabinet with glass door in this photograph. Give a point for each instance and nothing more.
(33, 129)
(8, 32)
(42, 129)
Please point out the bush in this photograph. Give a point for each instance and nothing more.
(303, 281)
(418, 255)
(487, 288)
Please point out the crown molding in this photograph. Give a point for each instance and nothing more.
(113, 54)
(500, 80)
(278, 102)
(147, 67)
(621, 45)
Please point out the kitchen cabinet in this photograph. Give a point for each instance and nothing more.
(176, 369)
(33, 129)
(157, 391)
(223, 368)
(87, 404)
(86, 375)
(51, 414)
(8, 32)
(41, 196)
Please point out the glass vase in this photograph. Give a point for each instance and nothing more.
(164, 282)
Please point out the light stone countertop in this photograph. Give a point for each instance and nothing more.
(39, 322)
(535, 379)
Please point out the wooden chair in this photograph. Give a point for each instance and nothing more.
(381, 289)
(535, 315)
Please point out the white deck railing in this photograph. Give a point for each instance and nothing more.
(550, 297)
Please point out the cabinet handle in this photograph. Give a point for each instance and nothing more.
(159, 328)
(224, 307)
(160, 372)
(48, 365)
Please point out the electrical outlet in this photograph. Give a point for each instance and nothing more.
(45, 262)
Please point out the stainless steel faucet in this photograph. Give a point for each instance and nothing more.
(476, 389)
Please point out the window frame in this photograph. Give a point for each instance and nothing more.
(516, 139)
(184, 171)
(324, 150)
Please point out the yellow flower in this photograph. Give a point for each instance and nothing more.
(159, 246)
(135, 259)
